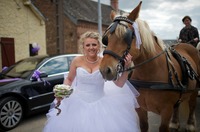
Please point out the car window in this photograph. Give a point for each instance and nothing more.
(57, 65)
(24, 67)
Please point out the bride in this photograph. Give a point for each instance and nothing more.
(95, 105)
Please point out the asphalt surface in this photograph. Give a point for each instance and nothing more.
(37, 122)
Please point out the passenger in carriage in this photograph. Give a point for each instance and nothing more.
(189, 34)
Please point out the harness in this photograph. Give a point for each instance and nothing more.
(186, 68)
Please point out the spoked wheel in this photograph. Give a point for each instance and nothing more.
(11, 113)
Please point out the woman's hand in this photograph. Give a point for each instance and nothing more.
(122, 79)
(128, 60)
(59, 99)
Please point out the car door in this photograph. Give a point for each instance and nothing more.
(55, 68)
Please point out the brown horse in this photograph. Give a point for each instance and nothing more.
(165, 76)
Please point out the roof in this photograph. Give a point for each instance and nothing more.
(35, 10)
(86, 10)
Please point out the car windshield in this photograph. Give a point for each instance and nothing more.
(23, 68)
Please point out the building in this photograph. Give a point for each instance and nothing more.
(21, 25)
(68, 19)
(56, 25)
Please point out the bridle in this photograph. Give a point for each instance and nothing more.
(128, 37)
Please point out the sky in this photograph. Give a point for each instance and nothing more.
(164, 16)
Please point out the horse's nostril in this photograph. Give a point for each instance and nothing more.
(108, 70)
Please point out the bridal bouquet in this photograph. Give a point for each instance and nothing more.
(61, 91)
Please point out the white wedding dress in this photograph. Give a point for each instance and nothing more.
(95, 106)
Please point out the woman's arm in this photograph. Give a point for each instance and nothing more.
(72, 72)
(122, 79)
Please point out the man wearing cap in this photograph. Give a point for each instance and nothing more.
(189, 34)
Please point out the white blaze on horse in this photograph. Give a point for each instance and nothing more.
(164, 76)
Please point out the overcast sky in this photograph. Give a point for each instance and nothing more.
(164, 16)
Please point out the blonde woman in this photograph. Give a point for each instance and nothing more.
(94, 105)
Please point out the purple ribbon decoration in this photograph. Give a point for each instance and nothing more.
(36, 74)
(4, 68)
(35, 50)
(9, 80)
(46, 82)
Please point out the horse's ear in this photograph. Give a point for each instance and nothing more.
(112, 15)
(135, 13)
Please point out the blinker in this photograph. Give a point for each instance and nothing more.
(112, 30)
(113, 27)
(105, 40)
(128, 36)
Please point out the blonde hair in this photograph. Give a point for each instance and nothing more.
(93, 35)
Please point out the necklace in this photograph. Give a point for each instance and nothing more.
(92, 62)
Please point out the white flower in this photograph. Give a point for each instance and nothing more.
(62, 90)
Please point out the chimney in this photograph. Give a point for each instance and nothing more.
(114, 4)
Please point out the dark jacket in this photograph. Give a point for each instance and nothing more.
(187, 35)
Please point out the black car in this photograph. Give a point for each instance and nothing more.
(27, 87)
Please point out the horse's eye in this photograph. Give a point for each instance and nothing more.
(105, 40)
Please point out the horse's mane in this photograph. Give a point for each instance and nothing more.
(146, 34)
(198, 46)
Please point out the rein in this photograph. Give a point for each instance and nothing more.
(136, 66)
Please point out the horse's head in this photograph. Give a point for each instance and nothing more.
(127, 34)
(120, 39)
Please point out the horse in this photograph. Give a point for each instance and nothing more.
(165, 76)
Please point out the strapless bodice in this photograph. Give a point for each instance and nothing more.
(89, 86)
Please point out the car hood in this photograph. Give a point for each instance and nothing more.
(4, 82)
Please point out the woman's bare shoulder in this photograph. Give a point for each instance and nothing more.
(78, 58)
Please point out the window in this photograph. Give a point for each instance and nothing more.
(57, 65)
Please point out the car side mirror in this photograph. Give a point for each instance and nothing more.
(42, 75)
(37, 75)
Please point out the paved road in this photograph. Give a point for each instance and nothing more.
(36, 123)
